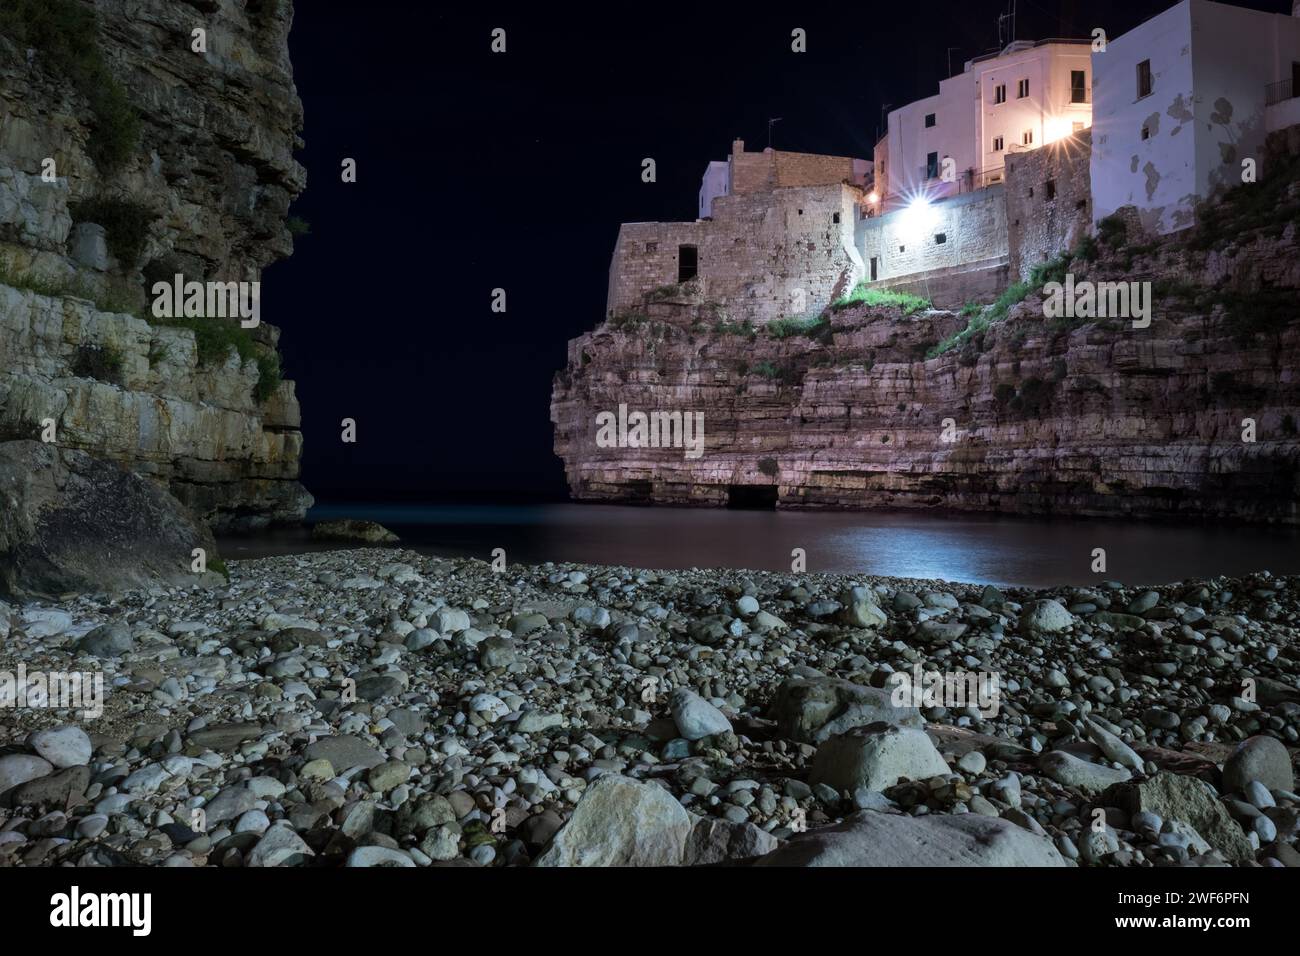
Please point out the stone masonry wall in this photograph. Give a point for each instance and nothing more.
(964, 238)
(763, 256)
(1048, 201)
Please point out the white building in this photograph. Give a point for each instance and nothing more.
(716, 182)
(1027, 95)
(1182, 100)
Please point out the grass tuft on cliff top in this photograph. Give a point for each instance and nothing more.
(881, 298)
(66, 36)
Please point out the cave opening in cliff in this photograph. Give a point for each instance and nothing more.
(752, 497)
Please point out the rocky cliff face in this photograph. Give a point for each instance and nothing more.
(874, 408)
(126, 158)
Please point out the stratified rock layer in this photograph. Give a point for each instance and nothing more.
(212, 175)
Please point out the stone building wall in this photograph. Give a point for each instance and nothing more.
(778, 169)
(763, 256)
(1049, 201)
(960, 238)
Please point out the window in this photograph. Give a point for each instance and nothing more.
(652, 247)
(929, 120)
(1144, 79)
(1146, 131)
(1028, 138)
(875, 265)
(940, 238)
(998, 144)
(1000, 93)
(835, 217)
(1050, 186)
(932, 166)
(1078, 86)
(902, 248)
(1022, 89)
(687, 263)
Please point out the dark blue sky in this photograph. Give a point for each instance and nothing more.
(479, 171)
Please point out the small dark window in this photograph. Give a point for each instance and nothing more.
(1000, 93)
(1078, 86)
(1144, 79)
(1146, 131)
(1022, 89)
(687, 263)
(932, 166)
(835, 217)
(940, 238)
(874, 266)
(929, 120)
(902, 248)
(801, 212)
(1031, 192)
(1081, 204)
(998, 144)
(652, 247)
(1051, 189)
(1028, 138)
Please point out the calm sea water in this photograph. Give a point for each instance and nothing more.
(978, 549)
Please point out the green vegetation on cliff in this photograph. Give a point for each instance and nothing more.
(66, 37)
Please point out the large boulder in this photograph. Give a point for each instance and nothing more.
(876, 757)
(1189, 799)
(1259, 758)
(621, 822)
(714, 841)
(71, 522)
(871, 838)
(812, 710)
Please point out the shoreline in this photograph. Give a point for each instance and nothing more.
(376, 706)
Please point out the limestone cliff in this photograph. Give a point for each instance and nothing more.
(125, 158)
(1069, 416)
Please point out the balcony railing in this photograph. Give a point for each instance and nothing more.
(1279, 91)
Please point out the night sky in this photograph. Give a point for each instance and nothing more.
(478, 171)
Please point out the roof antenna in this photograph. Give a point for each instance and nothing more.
(772, 121)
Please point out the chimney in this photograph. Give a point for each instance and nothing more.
(738, 145)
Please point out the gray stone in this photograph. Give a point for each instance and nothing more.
(1046, 616)
(1071, 771)
(870, 838)
(718, 841)
(1175, 797)
(876, 757)
(695, 717)
(621, 822)
(344, 752)
(19, 768)
(279, 846)
(107, 640)
(1259, 758)
(67, 746)
(810, 710)
(351, 529)
(381, 856)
